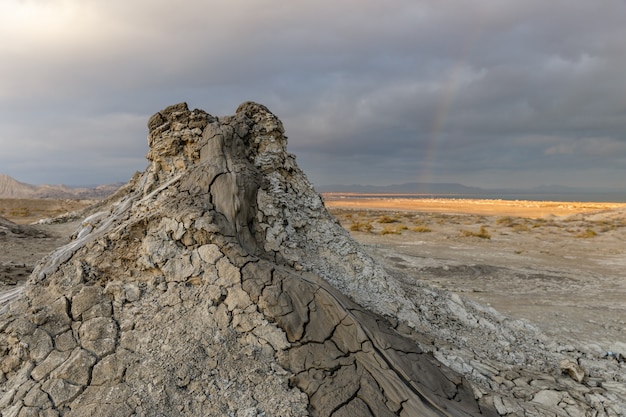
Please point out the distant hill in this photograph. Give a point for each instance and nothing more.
(543, 192)
(406, 188)
(12, 188)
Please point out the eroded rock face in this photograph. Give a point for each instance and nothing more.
(219, 285)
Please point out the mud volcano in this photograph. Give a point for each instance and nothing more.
(218, 284)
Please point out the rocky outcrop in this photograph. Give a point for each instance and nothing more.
(218, 284)
(8, 229)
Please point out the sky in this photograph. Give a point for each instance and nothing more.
(486, 93)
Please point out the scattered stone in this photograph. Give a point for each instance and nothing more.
(548, 398)
(572, 369)
(617, 356)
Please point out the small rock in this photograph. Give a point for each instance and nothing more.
(132, 292)
(572, 369)
(548, 398)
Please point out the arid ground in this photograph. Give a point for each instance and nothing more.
(23, 244)
(30, 210)
(559, 265)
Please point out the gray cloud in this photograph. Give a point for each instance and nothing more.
(487, 93)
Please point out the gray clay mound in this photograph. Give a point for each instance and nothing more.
(218, 284)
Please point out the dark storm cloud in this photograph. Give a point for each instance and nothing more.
(487, 93)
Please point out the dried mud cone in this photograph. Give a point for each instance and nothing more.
(218, 284)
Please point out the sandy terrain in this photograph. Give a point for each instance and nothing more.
(23, 244)
(558, 265)
(29, 210)
(520, 208)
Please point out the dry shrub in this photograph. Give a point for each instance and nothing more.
(387, 219)
(19, 212)
(448, 219)
(361, 226)
(520, 227)
(589, 233)
(542, 222)
(482, 233)
(421, 229)
(392, 230)
(506, 221)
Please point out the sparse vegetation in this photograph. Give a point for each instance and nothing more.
(390, 222)
(520, 227)
(24, 210)
(387, 219)
(482, 233)
(538, 224)
(517, 224)
(19, 212)
(358, 226)
(506, 221)
(388, 230)
(448, 219)
(588, 233)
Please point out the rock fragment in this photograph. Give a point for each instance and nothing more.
(575, 371)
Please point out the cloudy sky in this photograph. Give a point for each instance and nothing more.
(486, 93)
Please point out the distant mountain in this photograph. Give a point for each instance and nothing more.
(12, 188)
(555, 189)
(543, 192)
(406, 188)
(566, 189)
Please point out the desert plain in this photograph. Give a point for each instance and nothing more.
(558, 265)
(25, 237)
